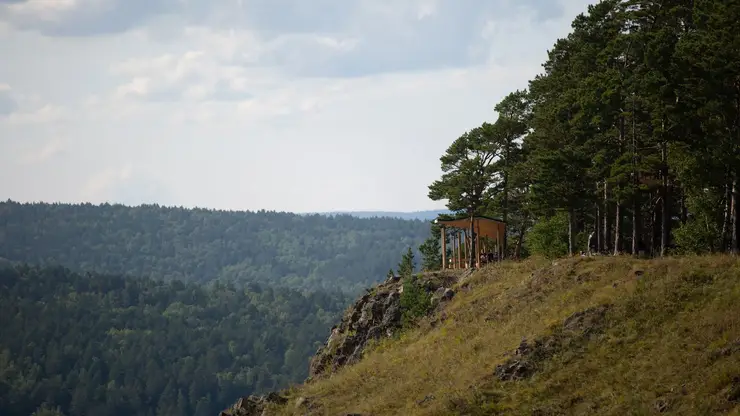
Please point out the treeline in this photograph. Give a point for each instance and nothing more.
(313, 252)
(108, 345)
(629, 139)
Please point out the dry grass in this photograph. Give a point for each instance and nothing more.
(667, 344)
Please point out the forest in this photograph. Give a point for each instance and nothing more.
(307, 252)
(89, 344)
(628, 142)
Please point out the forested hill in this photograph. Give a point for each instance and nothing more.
(108, 345)
(299, 251)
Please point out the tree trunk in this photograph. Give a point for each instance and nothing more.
(519, 241)
(618, 229)
(636, 226)
(607, 228)
(727, 218)
(597, 224)
(735, 216)
(571, 242)
(506, 200)
(655, 229)
(636, 220)
(471, 254)
(665, 221)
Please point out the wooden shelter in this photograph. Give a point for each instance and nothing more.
(489, 237)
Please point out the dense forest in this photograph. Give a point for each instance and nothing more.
(628, 142)
(108, 345)
(314, 252)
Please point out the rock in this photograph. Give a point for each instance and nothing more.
(375, 315)
(442, 294)
(660, 405)
(586, 321)
(514, 370)
(254, 405)
(733, 392)
(426, 399)
(527, 356)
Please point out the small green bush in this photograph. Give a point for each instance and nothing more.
(549, 237)
(415, 301)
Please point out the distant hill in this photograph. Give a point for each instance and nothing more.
(336, 252)
(413, 215)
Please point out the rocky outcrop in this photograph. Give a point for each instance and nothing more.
(377, 314)
(254, 405)
(575, 329)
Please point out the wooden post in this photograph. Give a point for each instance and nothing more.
(477, 246)
(444, 248)
(453, 241)
(464, 251)
(498, 243)
(459, 248)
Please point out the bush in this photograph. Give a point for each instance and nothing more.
(549, 237)
(696, 237)
(415, 301)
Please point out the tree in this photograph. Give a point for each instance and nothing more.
(509, 186)
(467, 177)
(406, 266)
(431, 250)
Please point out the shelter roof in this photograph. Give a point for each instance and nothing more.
(484, 226)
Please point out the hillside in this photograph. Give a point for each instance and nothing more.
(107, 345)
(299, 251)
(605, 335)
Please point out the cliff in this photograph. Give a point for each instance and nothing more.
(375, 316)
(607, 336)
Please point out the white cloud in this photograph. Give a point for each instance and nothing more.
(50, 149)
(48, 113)
(344, 106)
(98, 186)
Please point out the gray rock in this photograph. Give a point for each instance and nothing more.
(375, 315)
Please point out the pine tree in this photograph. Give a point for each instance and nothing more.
(406, 266)
(467, 177)
(431, 250)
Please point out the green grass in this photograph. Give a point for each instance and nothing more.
(671, 341)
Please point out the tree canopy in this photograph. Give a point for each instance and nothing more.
(89, 344)
(312, 252)
(629, 138)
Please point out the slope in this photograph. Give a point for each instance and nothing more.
(282, 249)
(608, 336)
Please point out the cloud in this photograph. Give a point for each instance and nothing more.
(99, 185)
(287, 105)
(41, 155)
(83, 17)
(7, 102)
(318, 38)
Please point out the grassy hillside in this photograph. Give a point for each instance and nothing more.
(656, 336)
(312, 252)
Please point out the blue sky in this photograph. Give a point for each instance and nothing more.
(290, 105)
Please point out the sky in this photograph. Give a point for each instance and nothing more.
(287, 105)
